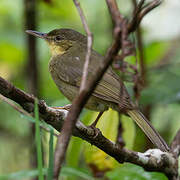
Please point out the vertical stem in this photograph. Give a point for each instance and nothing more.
(38, 142)
(141, 56)
(119, 139)
(31, 68)
(51, 155)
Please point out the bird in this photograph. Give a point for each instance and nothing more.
(68, 51)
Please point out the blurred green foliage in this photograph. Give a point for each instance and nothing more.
(130, 171)
(162, 92)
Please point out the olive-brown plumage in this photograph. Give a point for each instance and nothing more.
(69, 49)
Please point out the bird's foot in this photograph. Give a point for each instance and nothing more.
(93, 125)
(96, 130)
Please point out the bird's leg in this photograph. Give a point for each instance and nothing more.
(66, 107)
(93, 125)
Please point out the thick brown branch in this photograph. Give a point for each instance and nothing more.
(152, 160)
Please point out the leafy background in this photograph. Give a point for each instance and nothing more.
(161, 32)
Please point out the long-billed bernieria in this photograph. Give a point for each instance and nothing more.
(68, 48)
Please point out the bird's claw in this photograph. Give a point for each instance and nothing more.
(96, 131)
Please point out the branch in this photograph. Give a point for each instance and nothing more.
(140, 12)
(114, 12)
(141, 78)
(152, 160)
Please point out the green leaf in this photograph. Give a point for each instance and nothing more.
(51, 156)
(179, 165)
(155, 51)
(74, 152)
(108, 125)
(38, 141)
(130, 171)
(66, 171)
(69, 171)
(21, 175)
(129, 131)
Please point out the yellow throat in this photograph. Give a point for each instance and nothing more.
(59, 49)
(56, 50)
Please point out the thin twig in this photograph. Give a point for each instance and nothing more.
(22, 111)
(148, 8)
(137, 8)
(62, 142)
(139, 16)
(89, 44)
(114, 12)
(116, 17)
(140, 80)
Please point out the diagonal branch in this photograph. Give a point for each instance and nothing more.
(152, 160)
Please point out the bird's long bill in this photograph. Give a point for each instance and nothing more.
(37, 34)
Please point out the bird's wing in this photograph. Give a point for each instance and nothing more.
(70, 70)
(109, 87)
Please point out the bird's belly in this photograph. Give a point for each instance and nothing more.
(70, 92)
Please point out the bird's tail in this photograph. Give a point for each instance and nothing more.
(150, 132)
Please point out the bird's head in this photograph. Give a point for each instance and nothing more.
(60, 40)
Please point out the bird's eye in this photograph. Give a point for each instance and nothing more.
(58, 38)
